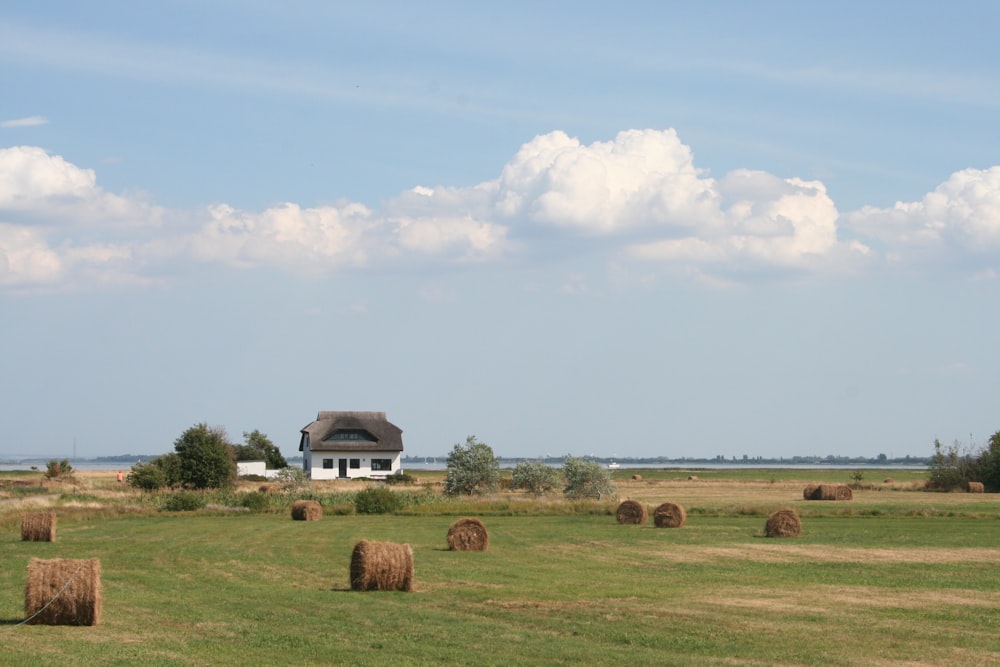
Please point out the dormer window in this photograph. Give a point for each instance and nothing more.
(351, 435)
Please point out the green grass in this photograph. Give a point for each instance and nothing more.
(257, 588)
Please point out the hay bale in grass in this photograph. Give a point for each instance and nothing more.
(38, 527)
(693, 478)
(783, 523)
(975, 487)
(843, 492)
(888, 480)
(468, 534)
(267, 488)
(381, 566)
(669, 515)
(825, 492)
(307, 510)
(809, 492)
(632, 512)
(63, 591)
(636, 478)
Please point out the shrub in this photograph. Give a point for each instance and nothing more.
(255, 501)
(401, 478)
(55, 469)
(587, 479)
(147, 476)
(206, 458)
(183, 501)
(472, 468)
(377, 500)
(291, 480)
(534, 477)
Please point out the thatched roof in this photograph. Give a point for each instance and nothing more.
(352, 431)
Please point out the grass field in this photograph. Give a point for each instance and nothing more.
(895, 576)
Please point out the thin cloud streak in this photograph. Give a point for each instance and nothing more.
(29, 121)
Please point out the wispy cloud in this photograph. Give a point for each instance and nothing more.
(29, 121)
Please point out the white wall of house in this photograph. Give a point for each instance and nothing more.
(330, 465)
(254, 468)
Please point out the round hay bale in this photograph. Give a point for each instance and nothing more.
(381, 566)
(825, 492)
(38, 527)
(632, 512)
(669, 515)
(975, 487)
(693, 478)
(843, 492)
(468, 534)
(63, 591)
(268, 488)
(888, 480)
(783, 523)
(809, 493)
(307, 510)
(636, 478)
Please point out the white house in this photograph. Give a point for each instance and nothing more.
(254, 468)
(345, 445)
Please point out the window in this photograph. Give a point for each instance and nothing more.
(328, 464)
(355, 434)
(355, 464)
(381, 464)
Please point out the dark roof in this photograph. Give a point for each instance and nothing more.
(387, 436)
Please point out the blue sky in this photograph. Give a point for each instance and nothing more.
(651, 229)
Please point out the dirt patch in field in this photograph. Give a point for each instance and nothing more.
(785, 553)
(804, 600)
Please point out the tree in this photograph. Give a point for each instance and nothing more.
(950, 469)
(586, 479)
(472, 468)
(989, 464)
(207, 460)
(535, 477)
(259, 447)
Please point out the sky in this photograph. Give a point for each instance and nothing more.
(632, 230)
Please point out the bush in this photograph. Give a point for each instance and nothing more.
(950, 469)
(206, 458)
(255, 501)
(55, 469)
(472, 468)
(147, 476)
(377, 500)
(587, 479)
(291, 480)
(535, 477)
(183, 501)
(401, 478)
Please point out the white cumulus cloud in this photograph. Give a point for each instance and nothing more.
(959, 219)
(638, 198)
